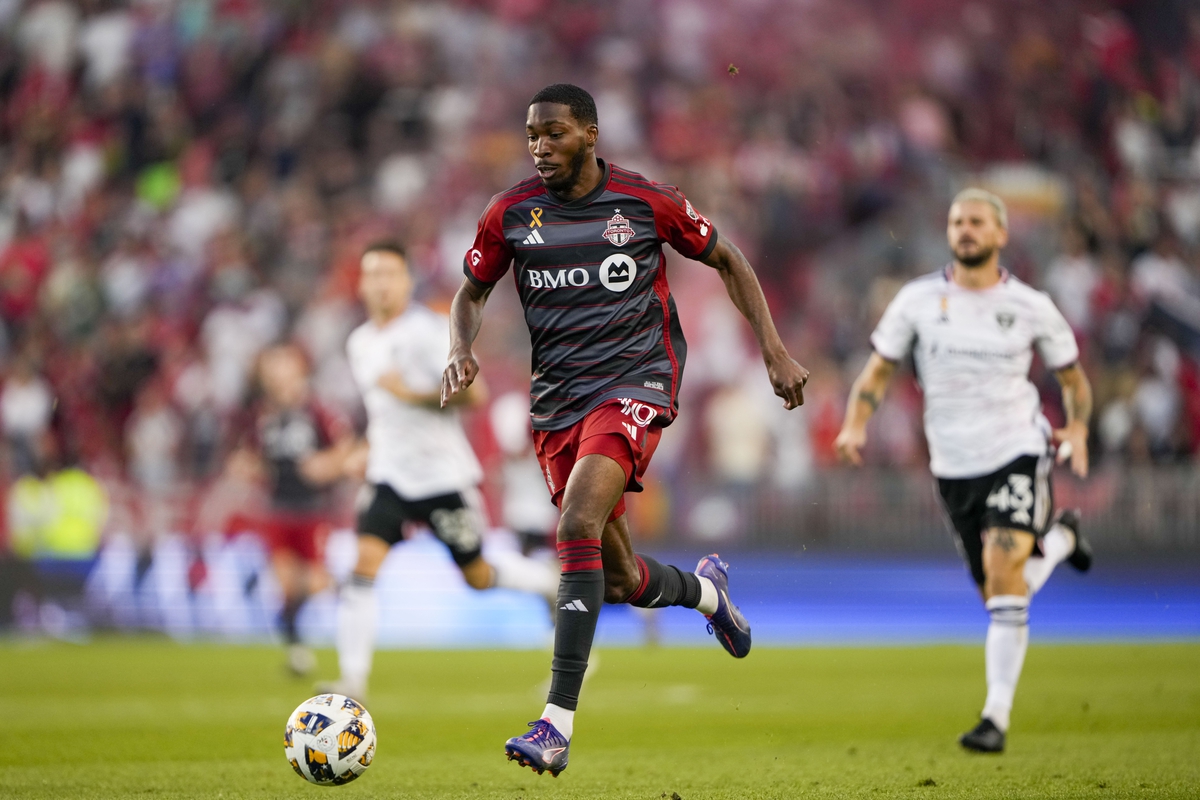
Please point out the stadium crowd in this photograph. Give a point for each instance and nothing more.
(183, 183)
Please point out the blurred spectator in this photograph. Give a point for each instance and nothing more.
(26, 407)
(55, 518)
(1071, 279)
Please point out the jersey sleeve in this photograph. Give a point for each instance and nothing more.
(1053, 337)
(894, 335)
(680, 225)
(331, 425)
(490, 254)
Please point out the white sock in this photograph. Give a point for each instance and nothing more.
(1004, 653)
(708, 597)
(1057, 544)
(524, 574)
(357, 621)
(560, 718)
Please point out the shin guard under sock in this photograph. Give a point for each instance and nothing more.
(663, 585)
(580, 595)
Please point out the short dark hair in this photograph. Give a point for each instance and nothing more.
(386, 246)
(583, 107)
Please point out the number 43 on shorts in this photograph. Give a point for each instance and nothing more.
(1014, 499)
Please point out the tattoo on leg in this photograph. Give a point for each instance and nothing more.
(1004, 540)
(869, 399)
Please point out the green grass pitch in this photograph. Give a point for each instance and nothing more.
(141, 718)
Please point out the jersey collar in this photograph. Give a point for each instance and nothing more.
(948, 273)
(606, 173)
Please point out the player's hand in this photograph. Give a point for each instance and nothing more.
(1072, 444)
(848, 443)
(788, 379)
(460, 373)
(393, 382)
(355, 464)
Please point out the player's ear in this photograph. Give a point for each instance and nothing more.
(590, 135)
(1002, 237)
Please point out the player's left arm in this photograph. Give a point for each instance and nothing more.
(327, 464)
(1072, 438)
(787, 376)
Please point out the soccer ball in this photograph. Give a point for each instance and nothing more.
(329, 739)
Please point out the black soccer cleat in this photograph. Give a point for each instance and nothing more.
(983, 738)
(1081, 556)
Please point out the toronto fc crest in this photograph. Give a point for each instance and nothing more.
(618, 231)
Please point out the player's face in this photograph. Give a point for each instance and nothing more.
(559, 144)
(974, 232)
(385, 285)
(284, 377)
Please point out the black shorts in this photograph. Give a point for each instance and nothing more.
(382, 512)
(1017, 496)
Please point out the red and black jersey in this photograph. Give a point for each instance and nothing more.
(285, 437)
(592, 279)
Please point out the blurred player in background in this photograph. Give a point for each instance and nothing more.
(972, 329)
(608, 354)
(525, 510)
(419, 466)
(299, 448)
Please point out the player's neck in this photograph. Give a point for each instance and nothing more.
(984, 276)
(589, 178)
(383, 318)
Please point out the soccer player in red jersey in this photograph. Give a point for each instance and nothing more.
(586, 237)
(298, 448)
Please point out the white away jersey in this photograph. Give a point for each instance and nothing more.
(972, 350)
(418, 451)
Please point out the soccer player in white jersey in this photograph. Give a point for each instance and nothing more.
(420, 467)
(972, 329)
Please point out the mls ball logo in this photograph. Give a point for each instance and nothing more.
(1005, 319)
(618, 231)
(617, 272)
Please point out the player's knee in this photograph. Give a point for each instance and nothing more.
(1004, 578)
(477, 582)
(478, 574)
(619, 584)
(573, 526)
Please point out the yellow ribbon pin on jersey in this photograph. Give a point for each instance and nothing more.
(536, 216)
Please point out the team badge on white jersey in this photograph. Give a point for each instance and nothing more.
(618, 231)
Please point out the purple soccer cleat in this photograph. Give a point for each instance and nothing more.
(731, 628)
(542, 748)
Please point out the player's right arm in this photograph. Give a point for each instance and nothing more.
(466, 317)
(865, 397)
(892, 340)
(485, 263)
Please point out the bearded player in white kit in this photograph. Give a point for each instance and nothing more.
(420, 468)
(972, 328)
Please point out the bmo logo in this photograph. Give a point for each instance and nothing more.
(554, 278)
(617, 272)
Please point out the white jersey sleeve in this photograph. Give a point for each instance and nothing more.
(894, 335)
(1053, 337)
